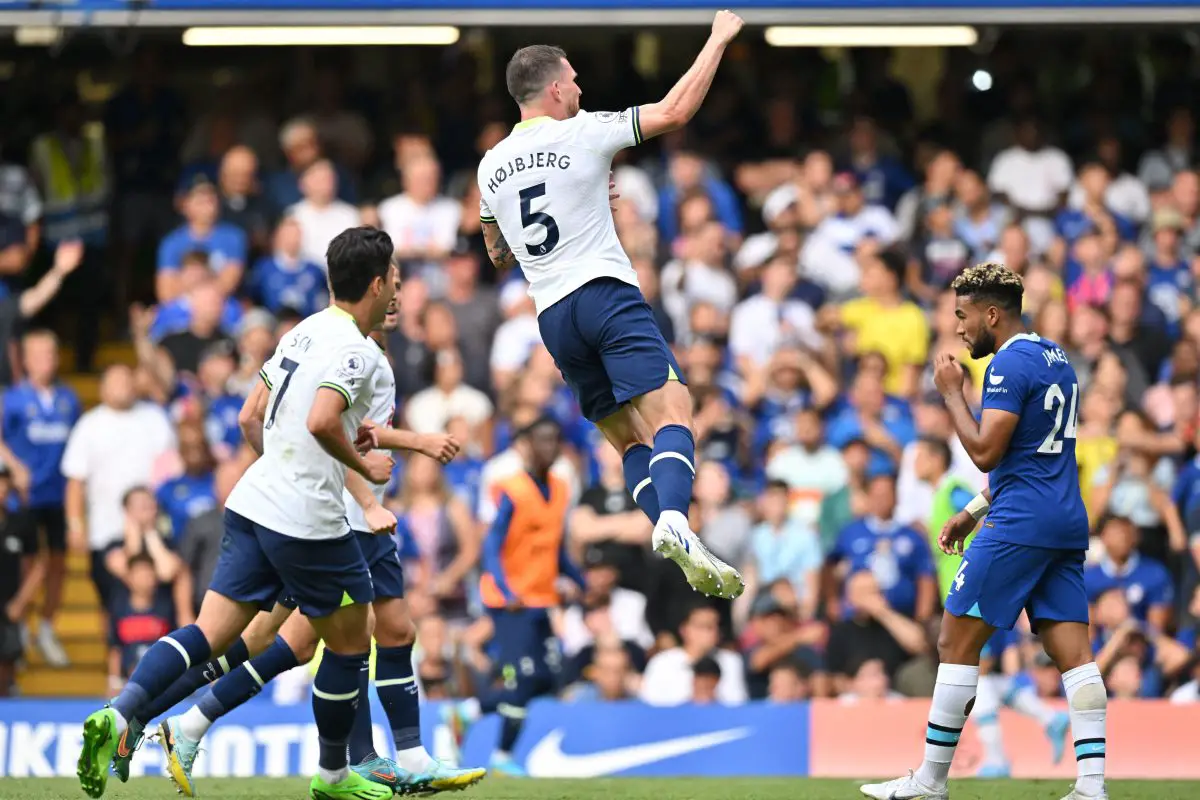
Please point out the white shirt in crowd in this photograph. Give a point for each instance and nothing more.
(546, 186)
(627, 609)
(113, 451)
(759, 326)
(811, 477)
(515, 341)
(295, 488)
(685, 283)
(668, 678)
(432, 225)
(827, 257)
(914, 497)
(319, 226)
(1032, 180)
(430, 409)
(505, 465)
(1126, 195)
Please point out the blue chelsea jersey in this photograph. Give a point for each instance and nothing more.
(36, 426)
(1035, 487)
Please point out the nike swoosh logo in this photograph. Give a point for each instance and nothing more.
(996, 381)
(123, 745)
(547, 760)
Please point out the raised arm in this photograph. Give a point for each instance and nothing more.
(683, 101)
(985, 441)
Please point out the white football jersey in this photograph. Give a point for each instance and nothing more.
(546, 186)
(296, 488)
(382, 411)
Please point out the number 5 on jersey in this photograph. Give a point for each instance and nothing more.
(531, 217)
(1055, 403)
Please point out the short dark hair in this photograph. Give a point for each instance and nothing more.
(140, 558)
(777, 485)
(991, 283)
(707, 665)
(530, 69)
(195, 257)
(939, 447)
(135, 490)
(356, 257)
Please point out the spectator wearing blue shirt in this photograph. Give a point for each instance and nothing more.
(869, 417)
(39, 413)
(1168, 280)
(1146, 583)
(897, 555)
(1093, 213)
(784, 548)
(883, 178)
(225, 244)
(175, 316)
(687, 176)
(192, 493)
(302, 148)
(285, 279)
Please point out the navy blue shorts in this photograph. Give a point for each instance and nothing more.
(258, 565)
(524, 645)
(383, 559)
(607, 345)
(998, 579)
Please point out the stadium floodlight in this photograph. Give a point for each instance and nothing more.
(262, 36)
(872, 36)
(37, 35)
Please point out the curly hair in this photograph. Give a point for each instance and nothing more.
(991, 283)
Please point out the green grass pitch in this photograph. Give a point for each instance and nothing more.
(599, 789)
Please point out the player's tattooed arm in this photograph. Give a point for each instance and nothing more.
(497, 247)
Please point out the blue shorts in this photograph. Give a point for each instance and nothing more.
(258, 565)
(524, 645)
(607, 345)
(383, 559)
(998, 579)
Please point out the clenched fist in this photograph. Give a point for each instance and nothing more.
(726, 25)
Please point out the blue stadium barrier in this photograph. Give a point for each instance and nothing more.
(41, 738)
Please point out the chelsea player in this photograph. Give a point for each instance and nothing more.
(1029, 553)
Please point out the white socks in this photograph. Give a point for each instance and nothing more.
(987, 720)
(1088, 704)
(952, 698)
(332, 776)
(194, 724)
(414, 760)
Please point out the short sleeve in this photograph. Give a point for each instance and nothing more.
(1005, 384)
(350, 374)
(169, 254)
(609, 131)
(75, 457)
(485, 211)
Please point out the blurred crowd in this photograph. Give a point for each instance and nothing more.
(799, 265)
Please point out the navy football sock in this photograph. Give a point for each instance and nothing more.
(362, 735)
(397, 688)
(672, 467)
(335, 696)
(512, 719)
(247, 680)
(194, 678)
(164, 663)
(637, 480)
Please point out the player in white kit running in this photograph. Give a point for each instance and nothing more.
(545, 207)
(295, 639)
(285, 522)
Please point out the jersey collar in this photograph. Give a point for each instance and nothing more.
(1113, 571)
(1028, 337)
(529, 123)
(341, 312)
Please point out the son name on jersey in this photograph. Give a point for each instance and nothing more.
(541, 159)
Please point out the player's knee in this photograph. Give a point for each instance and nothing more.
(395, 631)
(1089, 697)
(303, 650)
